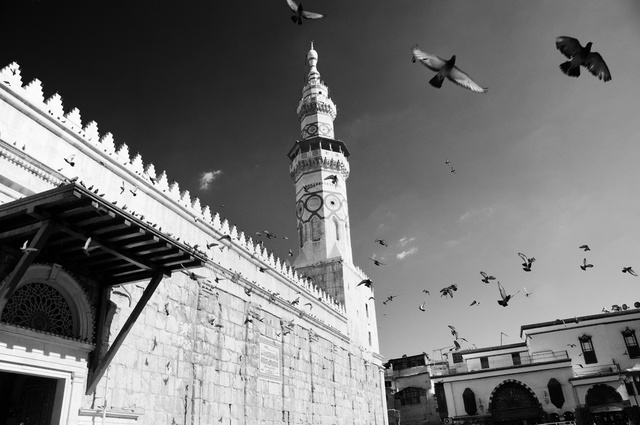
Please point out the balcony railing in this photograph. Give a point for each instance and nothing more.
(499, 361)
(595, 370)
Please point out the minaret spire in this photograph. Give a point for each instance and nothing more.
(319, 169)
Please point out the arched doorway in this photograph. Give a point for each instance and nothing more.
(49, 312)
(514, 403)
(605, 405)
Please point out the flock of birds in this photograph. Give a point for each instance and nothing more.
(505, 297)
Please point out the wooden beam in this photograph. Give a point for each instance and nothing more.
(37, 243)
(20, 231)
(96, 374)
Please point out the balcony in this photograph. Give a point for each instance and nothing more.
(499, 361)
(595, 370)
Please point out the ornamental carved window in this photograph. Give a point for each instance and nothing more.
(587, 349)
(631, 343)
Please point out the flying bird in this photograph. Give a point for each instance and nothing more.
(333, 178)
(629, 270)
(194, 276)
(526, 293)
(474, 302)
(448, 291)
(87, 246)
(454, 332)
(503, 294)
(585, 247)
(457, 346)
(389, 298)
(26, 248)
(426, 291)
(581, 56)
(300, 13)
(421, 308)
(269, 235)
(453, 170)
(584, 266)
(366, 282)
(486, 278)
(381, 242)
(376, 262)
(445, 69)
(526, 266)
(70, 160)
(446, 161)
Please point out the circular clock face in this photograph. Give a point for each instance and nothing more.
(333, 202)
(324, 129)
(313, 203)
(312, 129)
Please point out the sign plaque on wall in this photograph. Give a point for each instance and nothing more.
(270, 360)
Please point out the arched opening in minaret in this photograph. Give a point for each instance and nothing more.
(337, 227)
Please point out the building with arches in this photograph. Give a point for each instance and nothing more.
(124, 300)
(584, 370)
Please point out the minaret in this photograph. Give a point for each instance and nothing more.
(319, 169)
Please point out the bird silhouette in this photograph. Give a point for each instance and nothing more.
(376, 262)
(454, 332)
(26, 248)
(585, 247)
(453, 170)
(421, 307)
(486, 278)
(581, 56)
(445, 69)
(300, 13)
(193, 276)
(382, 242)
(526, 293)
(122, 188)
(526, 266)
(503, 294)
(446, 161)
(87, 246)
(389, 298)
(448, 291)
(366, 282)
(584, 266)
(426, 291)
(71, 160)
(629, 270)
(211, 244)
(269, 235)
(474, 302)
(333, 178)
(290, 253)
(248, 291)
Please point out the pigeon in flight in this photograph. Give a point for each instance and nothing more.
(301, 13)
(70, 160)
(366, 282)
(585, 247)
(376, 262)
(486, 278)
(581, 56)
(474, 302)
(503, 294)
(268, 234)
(448, 291)
(87, 246)
(629, 270)
(526, 293)
(333, 178)
(389, 298)
(382, 242)
(26, 248)
(194, 276)
(584, 266)
(445, 69)
(454, 332)
(421, 308)
(526, 266)
(426, 291)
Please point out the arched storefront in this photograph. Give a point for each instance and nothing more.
(514, 403)
(605, 405)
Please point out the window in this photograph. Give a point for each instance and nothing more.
(484, 362)
(457, 357)
(337, 226)
(516, 359)
(587, 349)
(366, 309)
(410, 396)
(369, 338)
(631, 342)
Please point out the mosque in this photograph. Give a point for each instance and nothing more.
(123, 300)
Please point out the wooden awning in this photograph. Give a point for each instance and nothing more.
(124, 248)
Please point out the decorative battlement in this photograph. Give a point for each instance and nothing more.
(157, 186)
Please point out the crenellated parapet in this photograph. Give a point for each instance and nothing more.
(137, 183)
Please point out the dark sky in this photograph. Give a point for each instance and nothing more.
(544, 162)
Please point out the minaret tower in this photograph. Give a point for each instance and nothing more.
(319, 169)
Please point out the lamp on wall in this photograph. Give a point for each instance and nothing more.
(480, 405)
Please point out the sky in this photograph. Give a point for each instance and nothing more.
(544, 162)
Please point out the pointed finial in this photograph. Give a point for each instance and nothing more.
(311, 44)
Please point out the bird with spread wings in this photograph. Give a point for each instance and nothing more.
(581, 56)
(445, 69)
